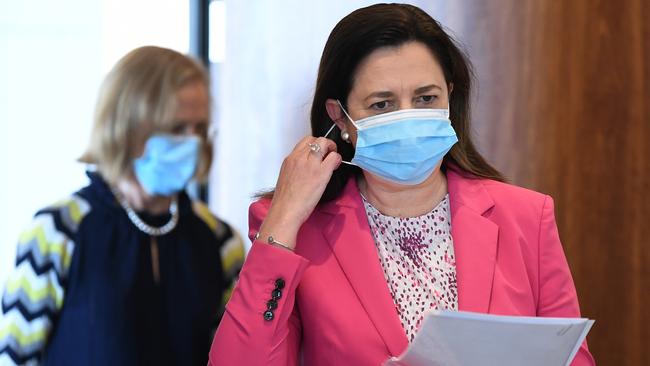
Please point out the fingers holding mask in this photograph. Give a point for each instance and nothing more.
(321, 146)
(324, 149)
(305, 174)
(331, 159)
(318, 155)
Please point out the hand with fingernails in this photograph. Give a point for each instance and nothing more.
(304, 175)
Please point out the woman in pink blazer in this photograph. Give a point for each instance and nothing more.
(393, 214)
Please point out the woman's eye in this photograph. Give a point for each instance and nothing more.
(190, 129)
(178, 129)
(379, 106)
(426, 99)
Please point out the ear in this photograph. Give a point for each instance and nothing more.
(451, 89)
(336, 114)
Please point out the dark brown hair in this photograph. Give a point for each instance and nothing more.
(391, 25)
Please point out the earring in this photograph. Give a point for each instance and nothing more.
(345, 136)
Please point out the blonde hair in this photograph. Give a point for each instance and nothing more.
(137, 98)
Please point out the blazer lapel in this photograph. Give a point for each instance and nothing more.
(348, 234)
(475, 241)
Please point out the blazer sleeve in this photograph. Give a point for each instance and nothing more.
(557, 293)
(251, 332)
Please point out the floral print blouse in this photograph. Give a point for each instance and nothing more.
(417, 257)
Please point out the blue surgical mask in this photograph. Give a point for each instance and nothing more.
(167, 164)
(404, 146)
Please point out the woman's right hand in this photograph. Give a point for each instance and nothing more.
(302, 181)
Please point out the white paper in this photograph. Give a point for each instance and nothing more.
(456, 338)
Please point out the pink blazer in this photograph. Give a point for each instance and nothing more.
(336, 308)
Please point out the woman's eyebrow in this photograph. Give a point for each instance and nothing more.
(388, 94)
(426, 88)
(379, 94)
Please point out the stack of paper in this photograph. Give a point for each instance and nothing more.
(455, 338)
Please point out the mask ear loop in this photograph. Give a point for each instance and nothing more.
(330, 130)
(346, 114)
(334, 125)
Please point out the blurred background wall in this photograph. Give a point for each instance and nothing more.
(561, 106)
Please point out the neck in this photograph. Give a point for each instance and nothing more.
(140, 200)
(403, 200)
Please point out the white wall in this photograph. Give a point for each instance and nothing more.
(49, 70)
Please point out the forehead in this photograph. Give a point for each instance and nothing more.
(193, 93)
(406, 66)
(192, 99)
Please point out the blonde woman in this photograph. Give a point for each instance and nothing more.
(128, 270)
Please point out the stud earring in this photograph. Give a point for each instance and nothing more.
(345, 136)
